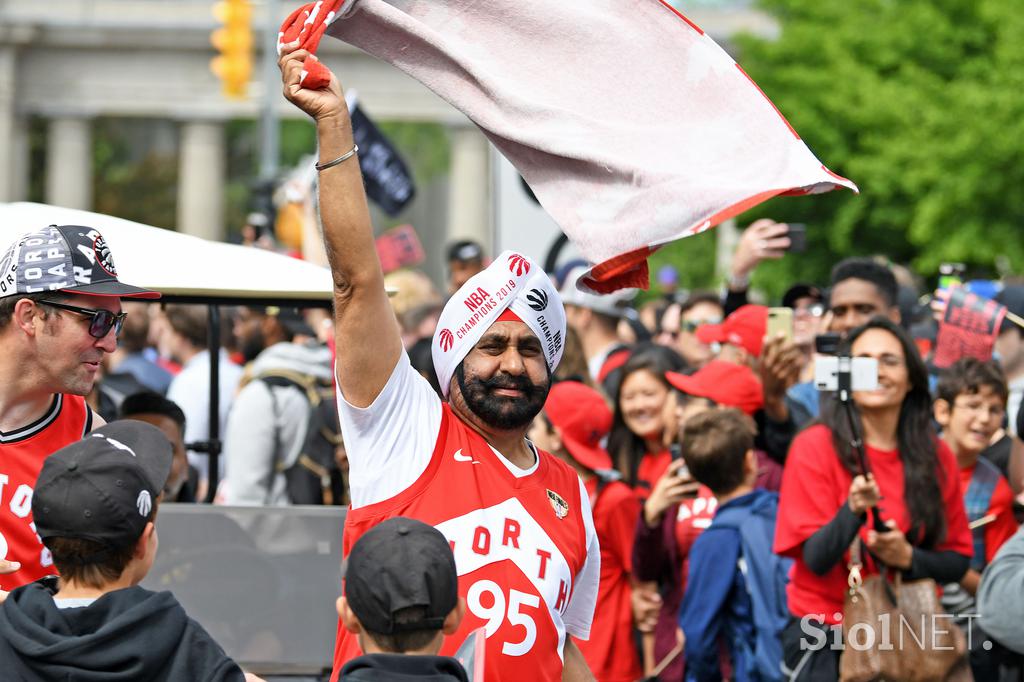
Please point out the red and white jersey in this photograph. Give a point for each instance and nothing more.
(22, 453)
(524, 541)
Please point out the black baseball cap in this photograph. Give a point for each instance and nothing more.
(291, 319)
(465, 251)
(801, 290)
(398, 564)
(69, 258)
(103, 487)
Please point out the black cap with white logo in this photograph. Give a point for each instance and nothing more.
(397, 564)
(67, 258)
(103, 487)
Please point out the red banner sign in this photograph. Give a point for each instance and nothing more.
(968, 328)
(399, 247)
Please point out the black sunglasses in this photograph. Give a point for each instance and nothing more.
(101, 321)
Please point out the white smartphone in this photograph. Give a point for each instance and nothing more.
(863, 373)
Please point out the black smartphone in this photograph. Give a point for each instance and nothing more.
(797, 238)
(827, 344)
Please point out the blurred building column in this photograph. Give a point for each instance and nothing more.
(727, 239)
(69, 162)
(469, 189)
(202, 165)
(13, 129)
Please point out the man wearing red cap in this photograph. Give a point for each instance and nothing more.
(574, 422)
(742, 338)
(741, 335)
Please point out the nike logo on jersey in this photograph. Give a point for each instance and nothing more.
(459, 457)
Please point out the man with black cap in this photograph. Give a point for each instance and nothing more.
(401, 599)
(518, 519)
(465, 259)
(60, 313)
(94, 507)
(271, 416)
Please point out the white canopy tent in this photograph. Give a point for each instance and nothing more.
(187, 269)
(182, 267)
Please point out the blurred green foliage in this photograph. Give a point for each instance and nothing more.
(134, 185)
(921, 103)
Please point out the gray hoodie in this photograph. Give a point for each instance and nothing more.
(268, 424)
(1001, 594)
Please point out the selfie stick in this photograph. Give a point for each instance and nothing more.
(845, 389)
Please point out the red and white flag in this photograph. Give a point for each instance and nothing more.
(632, 127)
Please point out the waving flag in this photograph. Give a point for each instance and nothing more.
(630, 124)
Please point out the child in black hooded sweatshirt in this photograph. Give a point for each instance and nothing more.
(94, 505)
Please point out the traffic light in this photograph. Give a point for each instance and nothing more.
(233, 41)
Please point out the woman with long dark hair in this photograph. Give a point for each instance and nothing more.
(911, 482)
(637, 441)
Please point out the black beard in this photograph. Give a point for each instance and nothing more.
(503, 412)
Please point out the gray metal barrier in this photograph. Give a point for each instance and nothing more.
(262, 580)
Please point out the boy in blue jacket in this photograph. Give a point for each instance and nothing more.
(735, 591)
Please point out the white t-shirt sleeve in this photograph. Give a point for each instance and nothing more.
(389, 443)
(579, 614)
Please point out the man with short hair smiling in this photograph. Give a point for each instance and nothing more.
(60, 312)
(517, 518)
(862, 288)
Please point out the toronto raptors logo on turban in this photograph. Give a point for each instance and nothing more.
(537, 299)
(446, 340)
(103, 256)
(518, 265)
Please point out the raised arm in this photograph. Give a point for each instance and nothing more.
(368, 338)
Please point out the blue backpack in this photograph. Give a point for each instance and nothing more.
(766, 576)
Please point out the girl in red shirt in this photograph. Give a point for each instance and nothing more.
(912, 483)
(639, 448)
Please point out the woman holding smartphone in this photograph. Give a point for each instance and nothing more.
(911, 482)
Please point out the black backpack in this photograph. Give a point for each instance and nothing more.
(314, 477)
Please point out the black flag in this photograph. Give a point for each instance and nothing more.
(387, 178)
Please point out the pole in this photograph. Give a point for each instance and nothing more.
(270, 138)
(213, 454)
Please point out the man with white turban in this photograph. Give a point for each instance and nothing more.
(518, 519)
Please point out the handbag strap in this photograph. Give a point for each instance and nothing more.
(855, 578)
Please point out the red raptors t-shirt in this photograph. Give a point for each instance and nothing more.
(22, 453)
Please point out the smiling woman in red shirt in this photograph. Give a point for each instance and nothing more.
(912, 483)
(637, 440)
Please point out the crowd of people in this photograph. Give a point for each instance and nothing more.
(618, 490)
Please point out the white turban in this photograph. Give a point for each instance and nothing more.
(512, 282)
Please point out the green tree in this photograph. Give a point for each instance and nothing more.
(921, 103)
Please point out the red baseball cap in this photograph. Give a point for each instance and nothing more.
(725, 383)
(746, 328)
(583, 418)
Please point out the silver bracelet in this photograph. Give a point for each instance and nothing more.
(335, 162)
